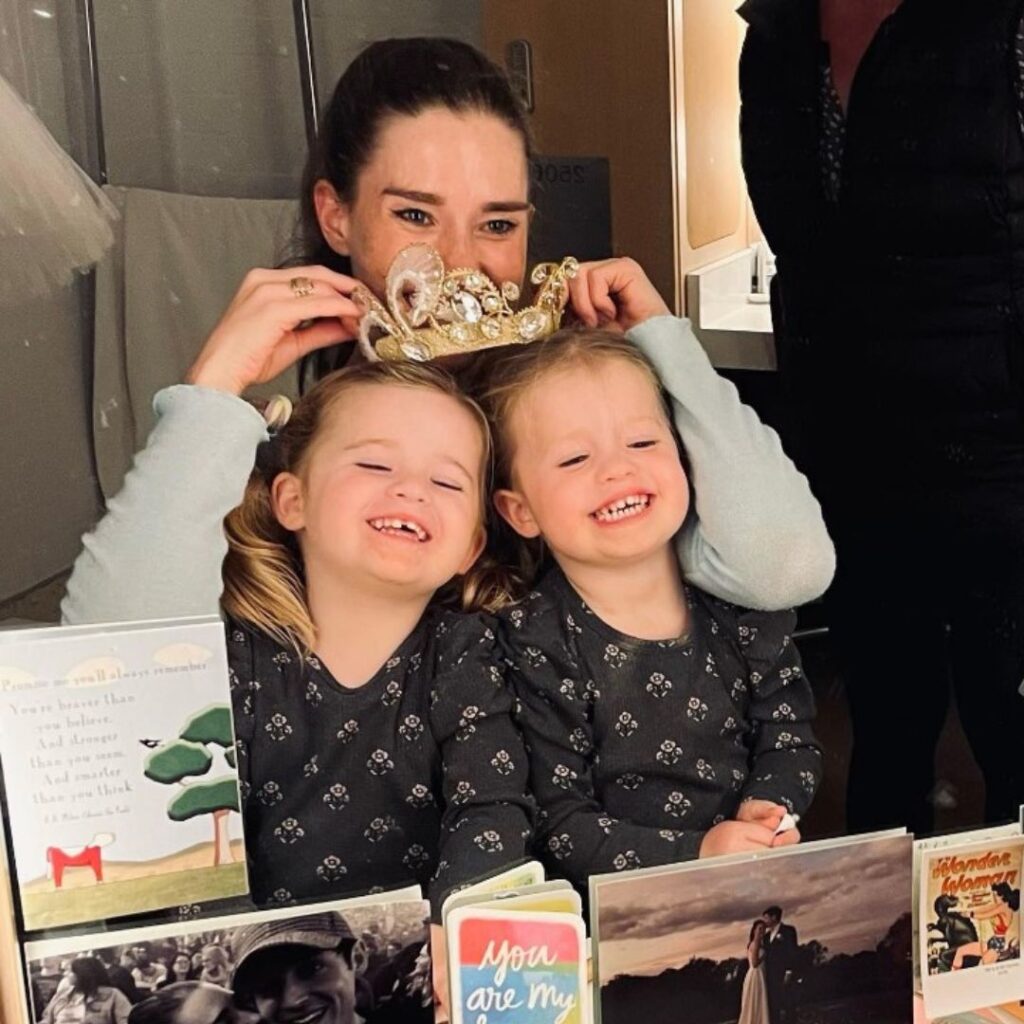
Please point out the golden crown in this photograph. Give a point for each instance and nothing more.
(432, 312)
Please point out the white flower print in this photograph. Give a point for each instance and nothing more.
(710, 665)
(517, 617)
(568, 689)
(785, 740)
(615, 656)
(281, 896)
(415, 660)
(270, 794)
(783, 713)
(729, 725)
(668, 834)
(578, 740)
(441, 629)
(746, 635)
(755, 678)
(416, 856)
(630, 780)
(392, 663)
(347, 733)
(626, 861)
(677, 804)
(411, 728)
(560, 846)
(497, 676)
(379, 763)
(571, 625)
(463, 793)
(626, 725)
(282, 658)
(278, 727)
(696, 709)
(238, 636)
(704, 769)
(591, 694)
(314, 663)
(188, 911)
(489, 841)
(606, 823)
(502, 763)
(379, 828)
(311, 767)
(331, 869)
(313, 694)
(658, 686)
(289, 831)
(247, 705)
(419, 796)
(535, 657)
(808, 781)
(737, 780)
(668, 753)
(739, 688)
(467, 722)
(336, 796)
(392, 693)
(563, 776)
(244, 789)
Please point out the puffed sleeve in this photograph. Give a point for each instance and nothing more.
(487, 821)
(578, 836)
(786, 758)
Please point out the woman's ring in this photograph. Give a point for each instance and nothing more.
(301, 287)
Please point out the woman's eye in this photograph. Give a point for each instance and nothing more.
(650, 443)
(501, 226)
(447, 485)
(374, 465)
(412, 215)
(574, 461)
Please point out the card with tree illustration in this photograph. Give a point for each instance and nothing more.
(118, 760)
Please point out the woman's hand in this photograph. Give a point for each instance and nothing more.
(735, 837)
(614, 293)
(439, 968)
(267, 327)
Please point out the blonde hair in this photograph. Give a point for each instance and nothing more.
(512, 563)
(264, 579)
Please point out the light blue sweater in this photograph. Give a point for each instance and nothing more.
(755, 535)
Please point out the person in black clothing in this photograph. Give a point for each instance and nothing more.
(661, 724)
(957, 930)
(894, 201)
(780, 947)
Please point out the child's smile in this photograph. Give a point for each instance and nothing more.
(623, 510)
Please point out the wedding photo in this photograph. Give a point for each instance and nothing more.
(815, 937)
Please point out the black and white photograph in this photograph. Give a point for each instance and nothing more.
(350, 962)
(817, 936)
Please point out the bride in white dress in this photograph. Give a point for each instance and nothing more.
(754, 1001)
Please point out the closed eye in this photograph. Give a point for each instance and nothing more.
(374, 465)
(447, 485)
(643, 444)
(574, 461)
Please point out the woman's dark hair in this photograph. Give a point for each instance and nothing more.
(758, 923)
(89, 974)
(163, 1005)
(392, 76)
(1010, 896)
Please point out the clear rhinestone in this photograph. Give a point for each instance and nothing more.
(414, 350)
(571, 266)
(474, 281)
(460, 333)
(510, 290)
(540, 273)
(449, 287)
(490, 329)
(492, 302)
(532, 324)
(467, 307)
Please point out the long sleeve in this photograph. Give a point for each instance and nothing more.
(157, 552)
(785, 756)
(120, 1008)
(574, 830)
(486, 826)
(755, 535)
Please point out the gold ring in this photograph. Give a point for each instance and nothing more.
(301, 287)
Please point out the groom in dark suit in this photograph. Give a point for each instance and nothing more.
(780, 950)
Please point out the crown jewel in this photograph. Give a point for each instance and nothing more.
(431, 312)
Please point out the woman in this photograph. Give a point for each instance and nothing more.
(754, 1000)
(216, 966)
(88, 998)
(424, 141)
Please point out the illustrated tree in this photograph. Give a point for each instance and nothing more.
(189, 756)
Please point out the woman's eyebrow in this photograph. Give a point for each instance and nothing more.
(412, 195)
(507, 206)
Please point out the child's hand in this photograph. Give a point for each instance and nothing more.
(614, 293)
(275, 318)
(736, 837)
(439, 967)
(763, 812)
